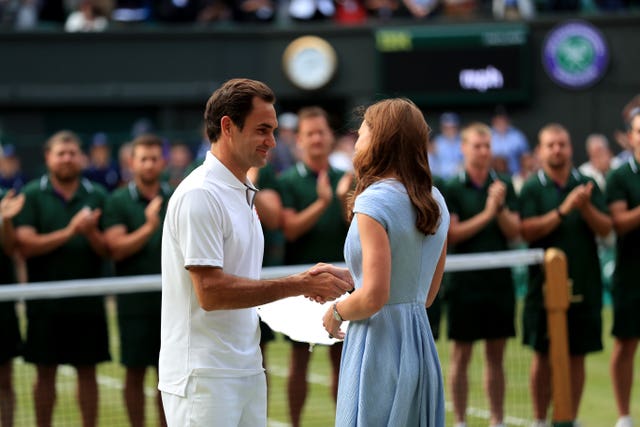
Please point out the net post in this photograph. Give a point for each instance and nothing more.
(557, 302)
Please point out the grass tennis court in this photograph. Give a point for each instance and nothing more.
(597, 409)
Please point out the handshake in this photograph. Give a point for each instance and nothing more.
(326, 282)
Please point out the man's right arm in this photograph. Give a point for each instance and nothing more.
(296, 224)
(217, 290)
(624, 219)
(123, 244)
(536, 227)
(31, 243)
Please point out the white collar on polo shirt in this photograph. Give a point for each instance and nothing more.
(224, 175)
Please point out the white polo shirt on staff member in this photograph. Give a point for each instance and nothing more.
(210, 221)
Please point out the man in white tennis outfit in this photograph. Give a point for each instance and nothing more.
(210, 368)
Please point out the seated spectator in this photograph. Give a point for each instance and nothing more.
(311, 10)
(180, 158)
(88, 17)
(124, 162)
(203, 147)
(513, 9)
(342, 155)
(507, 141)
(26, 16)
(350, 12)
(131, 11)
(214, 11)
(285, 154)
(500, 164)
(629, 109)
(445, 158)
(601, 160)
(461, 8)
(253, 10)
(382, 9)
(101, 168)
(11, 175)
(528, 165)
(422, 8)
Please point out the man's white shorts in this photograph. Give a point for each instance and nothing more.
(219, 402)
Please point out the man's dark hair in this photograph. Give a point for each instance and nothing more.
(234, 99)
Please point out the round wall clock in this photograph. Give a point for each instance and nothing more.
(309, 62)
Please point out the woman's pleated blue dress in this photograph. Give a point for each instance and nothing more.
(390, 372)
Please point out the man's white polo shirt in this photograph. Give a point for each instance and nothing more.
(210, 221)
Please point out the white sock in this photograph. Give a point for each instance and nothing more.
(625, 421)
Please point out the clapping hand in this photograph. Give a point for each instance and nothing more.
(577, 198)
(85, 220)
(11, 204)
(323, 187)
(152, 211)
(496, 196)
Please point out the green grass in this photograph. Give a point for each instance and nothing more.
(597, 409)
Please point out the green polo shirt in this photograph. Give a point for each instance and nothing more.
(623, 184)
(324, 242)
(6, 264)
(435, 311)
(267, 178)
(126, 207)
(539, 195)
(274, 241)
(47, 211)
(439, 183)
(466, 200)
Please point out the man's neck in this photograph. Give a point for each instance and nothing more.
(148, 190)
(227, 160)
(559, 176)
(65, 188)
(477, 175)
(316, 164)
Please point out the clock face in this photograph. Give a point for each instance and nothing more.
(309, 62)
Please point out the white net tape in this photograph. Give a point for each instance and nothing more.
(127, 284)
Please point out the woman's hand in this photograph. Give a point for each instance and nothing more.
(332, 325)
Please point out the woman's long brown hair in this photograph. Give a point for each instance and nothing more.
(399, 147)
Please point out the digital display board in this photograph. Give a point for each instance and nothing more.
(462, 64)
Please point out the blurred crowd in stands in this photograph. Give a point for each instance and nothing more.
(100, 15)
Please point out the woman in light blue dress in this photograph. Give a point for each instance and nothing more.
(395, 250)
